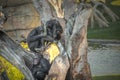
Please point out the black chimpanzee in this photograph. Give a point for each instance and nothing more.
(37, 39)
(54, 29)
(40, 67)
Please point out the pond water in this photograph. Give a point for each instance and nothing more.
(104, 60)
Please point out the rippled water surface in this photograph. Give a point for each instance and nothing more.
(104, 60)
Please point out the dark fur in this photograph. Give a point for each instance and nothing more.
(37, 39)
(40, 68)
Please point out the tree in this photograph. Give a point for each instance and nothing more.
(76, 13)
(74, 16)
(75, 32)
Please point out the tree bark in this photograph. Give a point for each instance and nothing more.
(16, 55)
(75, 47)
(59, 68)
(43, 8)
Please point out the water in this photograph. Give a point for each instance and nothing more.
(104, 60)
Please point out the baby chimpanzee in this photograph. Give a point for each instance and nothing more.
(36, 38)
(40, 67)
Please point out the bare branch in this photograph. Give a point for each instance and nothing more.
(98, 14)
(110, 13)
(92, 20)
(57, 6)
(101, 16)
(100, 21)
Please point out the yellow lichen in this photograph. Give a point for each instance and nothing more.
(24, 45)
(53, 51)
(12, 72)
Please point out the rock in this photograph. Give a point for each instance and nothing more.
(14, 2)
(21, 20)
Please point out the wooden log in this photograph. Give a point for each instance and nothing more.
(15, 54)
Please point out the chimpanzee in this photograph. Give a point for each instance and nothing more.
(54, 29)
(40, 67)
(36, 38)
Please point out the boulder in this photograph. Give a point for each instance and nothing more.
(21, 20)
(14, 2)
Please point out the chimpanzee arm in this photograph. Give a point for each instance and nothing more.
(47, 38)
(36, 37)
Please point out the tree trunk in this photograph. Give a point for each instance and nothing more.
(16, 55)
(77, 47)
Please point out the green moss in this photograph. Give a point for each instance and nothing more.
(12, 72)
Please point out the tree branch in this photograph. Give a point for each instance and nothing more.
(44, 11)
(57, 6)
(15, 55)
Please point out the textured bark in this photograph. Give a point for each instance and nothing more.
(43, 8)
(59, 68)
(77, 47)
(15, 54)
(60, 65)
(69, 7)
(75, 40)
(57, 6)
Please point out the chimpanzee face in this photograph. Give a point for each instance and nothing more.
(54, 28)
